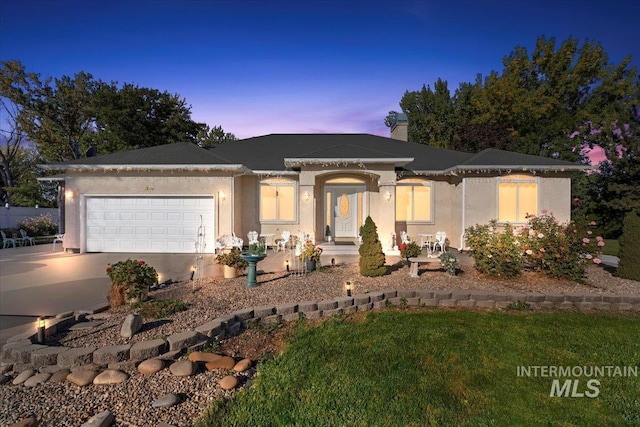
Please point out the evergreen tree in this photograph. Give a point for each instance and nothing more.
(371, 256)
(629, 267)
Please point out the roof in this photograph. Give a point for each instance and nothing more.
(283, 152)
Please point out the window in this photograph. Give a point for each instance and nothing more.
(517, 197)
(277, 200)
(414, 201)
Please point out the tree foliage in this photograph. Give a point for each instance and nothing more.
(64, 118)
(560, 101)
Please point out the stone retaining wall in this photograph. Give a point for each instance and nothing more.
(24, 354)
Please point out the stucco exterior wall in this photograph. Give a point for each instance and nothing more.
(79, 186)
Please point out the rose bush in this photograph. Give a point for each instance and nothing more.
(130, 279)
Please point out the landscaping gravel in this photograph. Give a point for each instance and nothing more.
(65, 404)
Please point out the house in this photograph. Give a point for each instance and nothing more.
(159, 199)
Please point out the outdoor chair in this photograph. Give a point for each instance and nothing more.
(24, 239)
(404, 238)
(58, 238)
(253, 238)
(228, 242)
(6, 240)
(441, 240)
(281, 244)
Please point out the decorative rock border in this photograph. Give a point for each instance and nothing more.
(21, 351)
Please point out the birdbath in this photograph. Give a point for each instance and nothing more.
(252, 259)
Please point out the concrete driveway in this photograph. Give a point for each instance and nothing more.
(34, 281)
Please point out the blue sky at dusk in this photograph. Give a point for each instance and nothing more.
(259, 67)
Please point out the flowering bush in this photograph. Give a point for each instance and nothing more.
(543, 245)
(130, 279)
(311, 252)
(41, 225)
(449, 263)
(409, 250)
(559, 250)
(495, 253)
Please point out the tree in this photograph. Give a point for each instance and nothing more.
(371, 256)
(12, 136)
(208, 137)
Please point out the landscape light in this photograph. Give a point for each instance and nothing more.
(287, 265)
(347, 286)
(41, 325)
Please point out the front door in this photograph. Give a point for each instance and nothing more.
(345, 212)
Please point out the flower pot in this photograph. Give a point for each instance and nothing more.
(311, 265)
(230, 272)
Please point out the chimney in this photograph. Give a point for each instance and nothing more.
(399, 127)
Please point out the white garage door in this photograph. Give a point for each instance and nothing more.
(149, 224)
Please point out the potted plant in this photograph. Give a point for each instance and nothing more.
(231, 261)
(311, 255)
(130, 281)
(327, 233)
(449, 263)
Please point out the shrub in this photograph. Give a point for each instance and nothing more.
(629, 266)
(41, 225)
(232, 259)
(559, 250)
(371, 256)
(129, 279)
(494, 253)
(409, 250)
(449, 263)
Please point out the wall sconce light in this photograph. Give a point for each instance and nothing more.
(222, 195)
(387, 195)
(68, 194)
(306, 196)
(41, 326)
(287, 265)
(347, 287)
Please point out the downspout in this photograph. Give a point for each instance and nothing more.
(464, 199)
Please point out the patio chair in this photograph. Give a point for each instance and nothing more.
(6, 240)
(441, 240)
(404, 238)
(24, 239)
(253, 238)
(58, 238)
(281, 244)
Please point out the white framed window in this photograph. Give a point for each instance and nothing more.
(414, 200)
(517, 198)
(278, 200)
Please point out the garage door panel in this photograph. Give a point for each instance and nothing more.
(148, 224)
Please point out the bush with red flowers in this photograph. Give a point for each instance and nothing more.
(130, 279)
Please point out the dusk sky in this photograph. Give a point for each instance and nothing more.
(260, 67)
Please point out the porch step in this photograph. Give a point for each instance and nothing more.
(332, 249)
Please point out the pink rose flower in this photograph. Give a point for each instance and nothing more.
(601, 243)
(544, 211)
(589, 232)
(541, 249)
(597, 260)
(529, 251)
(592, 223)
(585, 240)
(540, 235)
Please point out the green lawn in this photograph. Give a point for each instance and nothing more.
(423, 368)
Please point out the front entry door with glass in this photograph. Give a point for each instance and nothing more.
(346, 202)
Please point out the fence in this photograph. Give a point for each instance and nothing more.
(12, 216)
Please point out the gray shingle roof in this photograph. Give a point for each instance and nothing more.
(267, 153)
